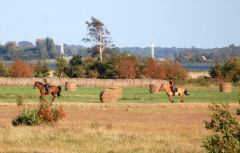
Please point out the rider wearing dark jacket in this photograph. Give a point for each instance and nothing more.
(46, 84)
(172, 85)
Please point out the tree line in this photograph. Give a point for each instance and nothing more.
(47, 49)
(114, 66)
(43, 48)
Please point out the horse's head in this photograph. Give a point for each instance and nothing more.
(36, 84)
(162, 87)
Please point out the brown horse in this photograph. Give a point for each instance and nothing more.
(181, 91)
(52, 90)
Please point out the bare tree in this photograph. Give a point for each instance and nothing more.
(99, 36)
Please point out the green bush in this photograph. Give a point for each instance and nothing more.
(28, 117)
(227, 72)
(226, 137)
(44, 113)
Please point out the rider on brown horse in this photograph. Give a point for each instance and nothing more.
(46, 84)
(172, 86)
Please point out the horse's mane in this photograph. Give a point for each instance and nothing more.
(40, 83)
(164, 85)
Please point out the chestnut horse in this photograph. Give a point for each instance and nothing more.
(52, 90)
(181, 91)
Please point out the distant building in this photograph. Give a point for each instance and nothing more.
(62, 49)
(204, 58)
(152, 52)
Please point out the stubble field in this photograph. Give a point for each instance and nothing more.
(134, 125)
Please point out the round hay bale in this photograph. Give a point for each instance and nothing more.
(225, 87)
(108, 96)
(154, 88)
(70, 86)
(118, 91)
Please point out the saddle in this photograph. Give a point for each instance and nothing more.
(174, 89)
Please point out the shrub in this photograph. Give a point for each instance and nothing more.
(19, 100)
(227, 130)
(228, 72)
(93, 73)
(3, 70)
(42, 68)
(28, 117)
(44, 113)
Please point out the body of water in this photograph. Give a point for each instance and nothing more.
(194, 67)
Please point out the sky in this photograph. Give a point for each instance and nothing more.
(132, 23)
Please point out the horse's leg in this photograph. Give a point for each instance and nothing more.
(181, 95)
(54, 95)
(170, 98)
(41, 98)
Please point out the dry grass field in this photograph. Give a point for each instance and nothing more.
(110, 128)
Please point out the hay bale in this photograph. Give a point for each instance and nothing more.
(108, 96)
(154, 88)
(118, 91)
(70, 86)
(225, 87)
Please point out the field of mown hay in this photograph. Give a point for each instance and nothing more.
(110, 127)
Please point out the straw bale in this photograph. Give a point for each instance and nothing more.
(154, 88)
(118, 91)
(225, 87)
(70, 86)
(108, 96)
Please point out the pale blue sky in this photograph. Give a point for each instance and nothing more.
(132, 23)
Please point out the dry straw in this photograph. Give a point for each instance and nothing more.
(108, 96)
(154, 88)
(118, 91)
(225, 87)
(70, 86)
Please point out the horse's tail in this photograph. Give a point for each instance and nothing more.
(185, 91)
(60, 89)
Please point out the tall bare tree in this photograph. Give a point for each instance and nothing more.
(98, 35)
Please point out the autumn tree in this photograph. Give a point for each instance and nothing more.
(153, 70)
(174, 70)
(20, 69)
(99, 36)
(128, 70)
